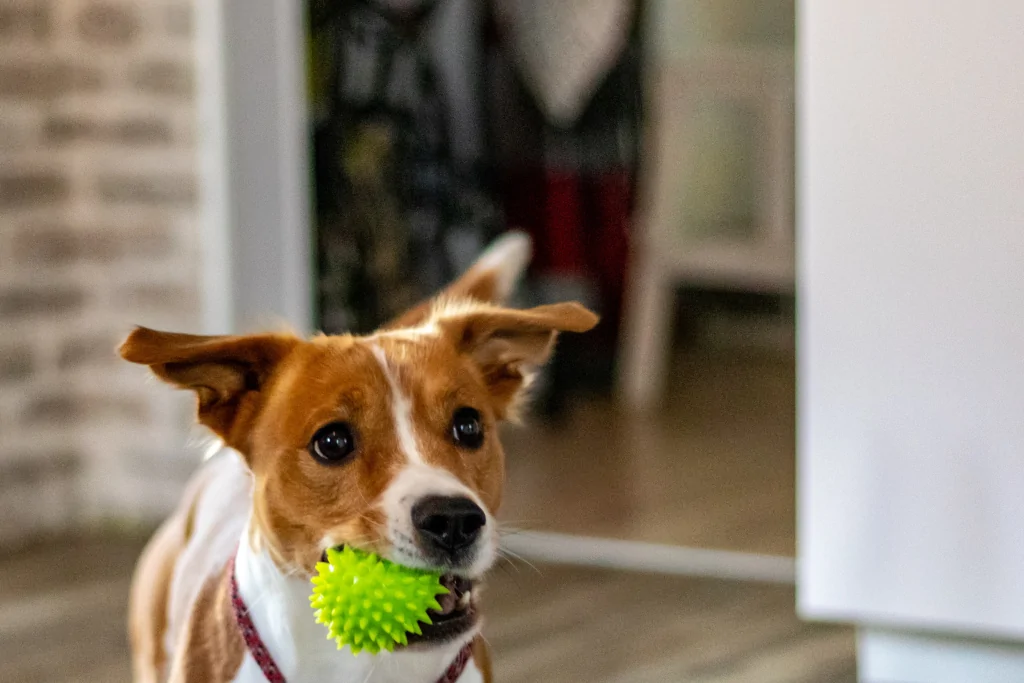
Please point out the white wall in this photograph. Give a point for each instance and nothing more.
(911, 356)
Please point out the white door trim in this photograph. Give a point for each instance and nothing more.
(254, 152)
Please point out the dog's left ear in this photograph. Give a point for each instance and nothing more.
(509, 345)
(226, 373)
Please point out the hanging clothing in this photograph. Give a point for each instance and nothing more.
(398, 213)
(564, 50)
(570, 185)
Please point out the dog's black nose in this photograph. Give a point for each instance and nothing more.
(448, 524)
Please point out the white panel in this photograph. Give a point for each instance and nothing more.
(911, 353)
(212, 134)
(256, 165)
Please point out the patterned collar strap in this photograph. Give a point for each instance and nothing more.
(266, 661)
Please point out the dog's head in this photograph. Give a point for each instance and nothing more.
(386, 442)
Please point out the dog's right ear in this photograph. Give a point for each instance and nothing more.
(226, 373)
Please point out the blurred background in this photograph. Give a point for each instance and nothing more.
(220, 166)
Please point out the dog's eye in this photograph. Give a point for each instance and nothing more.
(332, 443)
(467, 429)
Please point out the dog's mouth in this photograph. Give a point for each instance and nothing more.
(457, 614)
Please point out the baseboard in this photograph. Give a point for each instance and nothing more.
(639, 556)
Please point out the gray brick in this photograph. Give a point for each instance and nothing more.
(157, 298)
(70, 409)
(57, 245)
(141, 131)
(62, 129)
(170, 465)
(95, 350)
(46, 80)
(18, 133)
(15, 363)
(31, 469)
(155, 190)
(43, 247)
(136, 131)
(57, 409)
(166, 78)
(108, 23)
(24, 302)
(32, 188)
(179, 19)
(29, 19)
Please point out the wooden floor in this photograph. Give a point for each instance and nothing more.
(62, 615)
(715, 468)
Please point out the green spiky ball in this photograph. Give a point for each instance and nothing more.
(369, 603)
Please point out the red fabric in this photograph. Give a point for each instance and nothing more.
(614, 206)
(523, 193)
(563, 224)
(580, 225)
(266, 661)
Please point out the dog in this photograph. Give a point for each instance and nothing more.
(386, 442)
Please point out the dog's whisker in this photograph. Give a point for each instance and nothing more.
(515, 523)
(505, 533)
(373, 670)
(379, 526)
(506, 567)
(512, 555)
(510, 564)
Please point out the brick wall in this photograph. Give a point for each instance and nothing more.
(98, 230)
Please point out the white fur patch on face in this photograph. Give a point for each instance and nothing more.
(413, 484)
(419, 480)
(401, 410)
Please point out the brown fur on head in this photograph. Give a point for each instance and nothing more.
(267, 396)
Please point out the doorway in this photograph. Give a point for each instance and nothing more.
(708, 464)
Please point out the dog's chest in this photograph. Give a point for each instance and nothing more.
(278, 607)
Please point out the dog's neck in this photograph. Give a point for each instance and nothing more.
(278, 605)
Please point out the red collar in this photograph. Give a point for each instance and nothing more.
(266, 661)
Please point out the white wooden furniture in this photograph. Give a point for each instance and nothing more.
(911, 334)
(665, 253)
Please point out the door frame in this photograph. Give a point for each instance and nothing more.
(254, 165)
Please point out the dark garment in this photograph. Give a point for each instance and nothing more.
(396, 213)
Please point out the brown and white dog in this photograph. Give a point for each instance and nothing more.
(387, 442)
